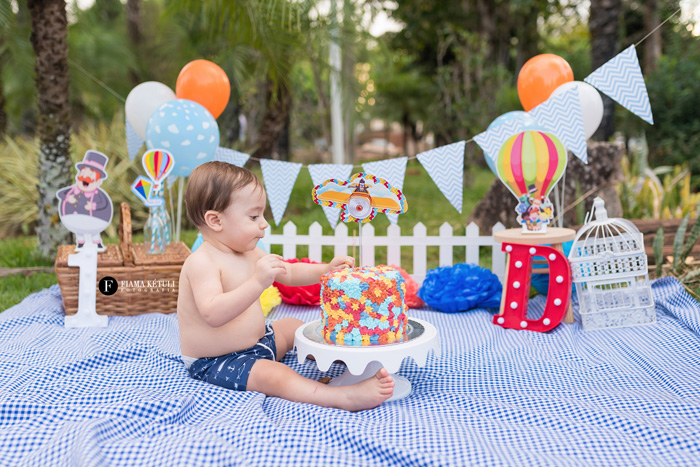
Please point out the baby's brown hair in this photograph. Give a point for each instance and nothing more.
(211, 187)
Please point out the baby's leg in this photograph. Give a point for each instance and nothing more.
(278, 380)
(284, 335)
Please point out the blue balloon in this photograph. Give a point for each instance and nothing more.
(507, 117)
(527, 123)
(187, 131)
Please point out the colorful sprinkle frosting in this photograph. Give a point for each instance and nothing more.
(363, 306)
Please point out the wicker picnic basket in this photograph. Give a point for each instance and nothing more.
(146, 283)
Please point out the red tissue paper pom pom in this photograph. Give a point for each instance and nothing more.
(412, 300)
(306, 295)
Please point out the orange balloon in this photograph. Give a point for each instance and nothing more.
(540, 76)
(205, 83)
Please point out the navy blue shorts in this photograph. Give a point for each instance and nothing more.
(231, 371)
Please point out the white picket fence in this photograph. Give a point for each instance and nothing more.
(393, 241)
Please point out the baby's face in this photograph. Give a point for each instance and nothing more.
(243, 221)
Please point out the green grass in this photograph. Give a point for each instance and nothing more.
(14, 289)
(21, 252)
(426, 204)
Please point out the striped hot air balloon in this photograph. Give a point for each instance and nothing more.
(158, 164)
(531, 163)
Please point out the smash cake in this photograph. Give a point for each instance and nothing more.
(363, 306)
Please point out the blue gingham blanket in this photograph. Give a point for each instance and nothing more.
(121, 396)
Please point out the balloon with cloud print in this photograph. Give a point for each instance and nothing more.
(187, 131)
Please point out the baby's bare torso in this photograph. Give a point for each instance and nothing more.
(197, 338)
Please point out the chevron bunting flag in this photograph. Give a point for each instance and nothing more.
(490, 141)
(445, 165)
(561, 115)
(232, 157)
(279, 177)
(622, 80)
(133, 141)
(391, 170)
(322, 172)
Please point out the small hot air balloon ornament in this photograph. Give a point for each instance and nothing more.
(530, 164)
(158, 164)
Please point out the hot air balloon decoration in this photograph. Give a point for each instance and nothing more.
(158, 164)
(530, 164)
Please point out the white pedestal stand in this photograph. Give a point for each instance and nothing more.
(86, 260)
(364, 361)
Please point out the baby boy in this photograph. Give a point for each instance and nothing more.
(223, 335)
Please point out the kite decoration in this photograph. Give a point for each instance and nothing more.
(530, 164)
(143, 187)
(361, 197)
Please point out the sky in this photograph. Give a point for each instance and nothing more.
(383, 23)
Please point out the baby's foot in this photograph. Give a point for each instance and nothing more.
(369, 393)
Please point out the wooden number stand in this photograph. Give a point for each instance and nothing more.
(554, 236)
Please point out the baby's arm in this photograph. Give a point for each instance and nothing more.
(218, 308)
(307, 273)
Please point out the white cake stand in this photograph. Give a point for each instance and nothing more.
(364, 361)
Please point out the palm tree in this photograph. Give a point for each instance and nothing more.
(272, 31)
(49, 40)
(5, 21)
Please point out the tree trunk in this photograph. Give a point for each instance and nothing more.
(487, 20)
(273, 122)
(49, 31)
(321, 91)
(133, 29)
(528, 43)
(283, 144)
(599, 178)
(349, 94)
(3, 114)
(604, 26)
(652, 45)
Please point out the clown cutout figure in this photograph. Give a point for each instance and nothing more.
(85, 209)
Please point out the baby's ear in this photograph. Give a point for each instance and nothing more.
(213, 220)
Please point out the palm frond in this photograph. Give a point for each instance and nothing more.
(678, 243)
(692, 239)
(658, 247)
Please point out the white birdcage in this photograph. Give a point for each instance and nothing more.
(609, 268)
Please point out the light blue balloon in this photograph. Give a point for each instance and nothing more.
(527, 123)
(507, 117)
(187, 131)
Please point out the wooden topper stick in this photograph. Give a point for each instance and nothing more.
(357, 264)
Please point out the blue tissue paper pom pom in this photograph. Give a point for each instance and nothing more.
(460, 288)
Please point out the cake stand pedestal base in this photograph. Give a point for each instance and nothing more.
(364, 361)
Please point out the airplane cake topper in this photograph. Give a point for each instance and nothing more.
(360, 198)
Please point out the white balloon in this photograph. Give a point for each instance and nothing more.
(591, 104)
(143, 100)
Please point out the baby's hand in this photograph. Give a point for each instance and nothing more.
(267, 268)
(342, 262)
